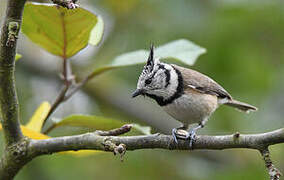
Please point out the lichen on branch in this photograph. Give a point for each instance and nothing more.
(13, 31)
(8, 97)
(273, 172)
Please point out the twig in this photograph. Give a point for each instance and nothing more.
(115, 132)
(84, 81)
(76, 88)
(57, 102)
(64, 95)
(68, 79)
(110, 146)
(50, 128)
(273, 172)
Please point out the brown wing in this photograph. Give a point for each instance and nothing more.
(201, 82)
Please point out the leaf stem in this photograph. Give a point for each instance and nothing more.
(68, 79)
(77, 87)
(50, 128)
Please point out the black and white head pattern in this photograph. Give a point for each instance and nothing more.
(160, 81)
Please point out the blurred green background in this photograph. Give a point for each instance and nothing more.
(245, 54)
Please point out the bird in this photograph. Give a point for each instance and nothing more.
(185, 94)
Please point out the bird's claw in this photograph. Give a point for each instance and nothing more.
(174, 134)
(179, 133)
(189, 136)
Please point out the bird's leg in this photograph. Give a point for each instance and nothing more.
(174, 133)
(192, 134)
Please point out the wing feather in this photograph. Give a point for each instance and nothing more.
(204, 84)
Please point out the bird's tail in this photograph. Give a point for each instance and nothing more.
(241, 106)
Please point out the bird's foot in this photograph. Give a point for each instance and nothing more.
(191, 136)
(179, 133)
(174, 134)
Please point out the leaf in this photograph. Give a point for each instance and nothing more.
(97, 32)
(131, 58)
(38, 117)
(18, 56)
(182, 50)
(144, 129)
(81, 153)
(31, 134)
(97, 122)
(38, 136)
(61, 31)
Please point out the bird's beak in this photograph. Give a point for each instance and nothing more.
(137, 92)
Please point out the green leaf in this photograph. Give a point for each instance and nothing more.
(183, 51)
(143, 129)
(97, 122)
(131, 58)
(18, 56)
(180, 50)
(97, 32)
(61, 31)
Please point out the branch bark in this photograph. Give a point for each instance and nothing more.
(273, 172)
(8, 96)
(98, 141)
(94, 141)
(12, 159)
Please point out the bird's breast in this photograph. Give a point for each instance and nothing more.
(192, 107)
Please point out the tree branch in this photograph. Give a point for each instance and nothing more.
(14, 158)
(273, 172)
(8, 96)
(96, 142)
(119, 145)
(115, 132)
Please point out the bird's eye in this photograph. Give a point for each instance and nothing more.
(148, 81)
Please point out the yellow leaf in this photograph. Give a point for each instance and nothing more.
(81, 152)
(37, 136)
(18, 56)
(38, 117)
(31, 134)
